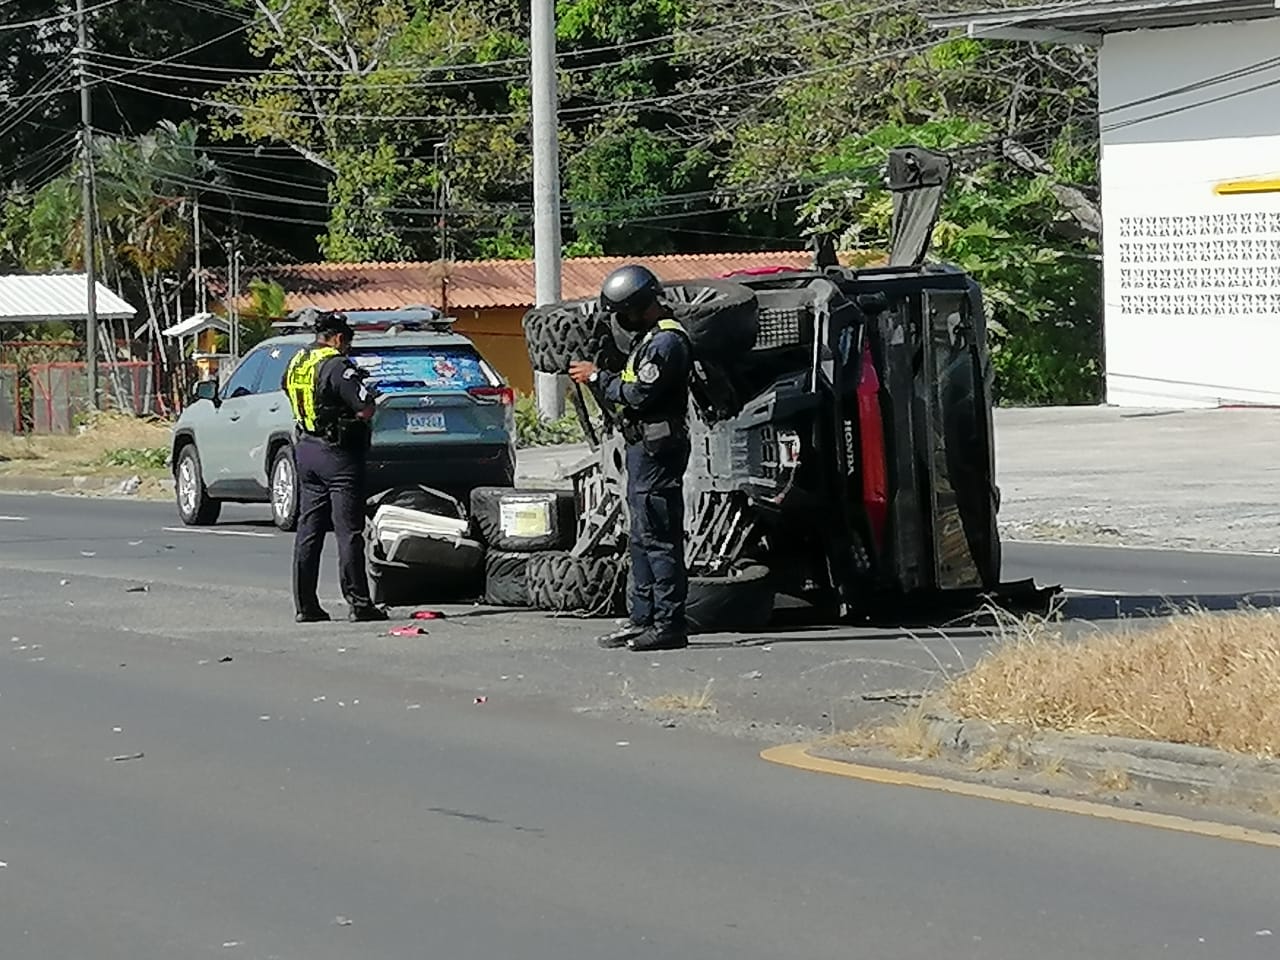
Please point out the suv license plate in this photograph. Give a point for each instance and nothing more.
(425, 422)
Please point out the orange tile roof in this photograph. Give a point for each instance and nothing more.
(477, 284)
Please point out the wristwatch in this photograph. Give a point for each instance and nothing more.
(595, 377)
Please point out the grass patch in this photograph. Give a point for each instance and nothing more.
(1112, 780)
(909, 737)
(698, 702)
(1205, 679)
(105, 443)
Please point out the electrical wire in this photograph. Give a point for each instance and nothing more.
(56, 18)
(365, 84)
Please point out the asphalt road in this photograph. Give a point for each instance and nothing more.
(244, 549)
(291, 803)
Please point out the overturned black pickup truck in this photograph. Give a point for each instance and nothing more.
(842, 437)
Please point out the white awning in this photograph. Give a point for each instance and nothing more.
(61, 297)
(197, 323)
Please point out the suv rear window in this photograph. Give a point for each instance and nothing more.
(396, 369)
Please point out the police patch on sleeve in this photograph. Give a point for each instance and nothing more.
(648, 372)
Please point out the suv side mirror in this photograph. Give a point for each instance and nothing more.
(207, 390)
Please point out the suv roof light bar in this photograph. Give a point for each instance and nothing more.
(369, 321)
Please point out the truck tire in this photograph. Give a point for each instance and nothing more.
(505, 578)
(594, 586)
(558, 333)
(739, 602)
(489, 503)
(720, 316)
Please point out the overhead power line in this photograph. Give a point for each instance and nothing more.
(55, 18)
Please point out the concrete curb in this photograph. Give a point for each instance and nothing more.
(1188, 772)
(115, 487)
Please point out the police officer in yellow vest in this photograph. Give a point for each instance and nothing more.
(332, 406)
(653, 392)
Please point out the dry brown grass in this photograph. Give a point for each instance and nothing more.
(1112, 780)
(998, 756)
(908, 737)
(88, 450)
(696, 702)
(1207, 679)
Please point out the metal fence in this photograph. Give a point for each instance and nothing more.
(60, 392)
(10, 399)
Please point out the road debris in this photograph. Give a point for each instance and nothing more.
(414, 706)
(117, 729)
(63, 583)
(481, 700)
(264, 717)
(893, 696)
(88, 553)
(127, 756)
(232, 943)
(428, 615)
(623, 743)
(135, 543)
(753, 675)
(141, 588)
(225, 660)
(406, 632)
(342, 921)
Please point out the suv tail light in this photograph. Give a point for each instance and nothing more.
(503, 395)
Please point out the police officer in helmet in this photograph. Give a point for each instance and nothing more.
(332, 407)
(653, 392)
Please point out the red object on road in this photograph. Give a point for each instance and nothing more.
(407, 631)
(428, 615)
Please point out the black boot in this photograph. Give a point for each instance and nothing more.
(652, 640)
(621, 637)
(368, 614)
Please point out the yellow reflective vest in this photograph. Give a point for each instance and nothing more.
(302, 381)
(629, 371)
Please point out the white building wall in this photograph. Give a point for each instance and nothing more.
(1191, 279)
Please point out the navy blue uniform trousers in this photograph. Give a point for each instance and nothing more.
(655, 499)
(331, 498)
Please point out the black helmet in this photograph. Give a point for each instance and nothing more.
(629, 290)
(332, 322)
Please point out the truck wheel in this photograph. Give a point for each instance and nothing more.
(550, 518)
(195, 507)
(558, 333)
(505, 578)
(720, 316)
(739, 602)
(594, 586)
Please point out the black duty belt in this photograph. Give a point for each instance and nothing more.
(636, 431)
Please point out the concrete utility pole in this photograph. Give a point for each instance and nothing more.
(546, 186)
(87, 213)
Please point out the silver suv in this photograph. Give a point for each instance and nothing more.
(449, 422)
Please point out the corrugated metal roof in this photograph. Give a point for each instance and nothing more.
(63, 297)
(1074, 20)
(481, 284)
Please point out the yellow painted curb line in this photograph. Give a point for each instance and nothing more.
(797, 756)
